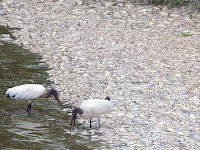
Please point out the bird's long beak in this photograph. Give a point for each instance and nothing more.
(59, 101)
(48, 95)
(74, 115)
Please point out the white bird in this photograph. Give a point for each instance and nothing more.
(92, 108)
(31, 92)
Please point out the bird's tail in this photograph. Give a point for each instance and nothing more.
(7, 95)
(4, 92)
(107, 98)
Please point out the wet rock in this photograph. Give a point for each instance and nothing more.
(5, 38)
(5, 35)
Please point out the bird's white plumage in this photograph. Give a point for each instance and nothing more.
(26, 91)
(95, 107)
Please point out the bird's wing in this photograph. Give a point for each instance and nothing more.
(26, 91)
(97, 106)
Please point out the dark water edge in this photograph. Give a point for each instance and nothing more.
(47, 128)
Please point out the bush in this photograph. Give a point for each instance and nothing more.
(168, 2)
(171, 3)
(194, 3)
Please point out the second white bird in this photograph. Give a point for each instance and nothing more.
(92, 108)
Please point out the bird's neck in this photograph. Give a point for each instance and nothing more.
(44, 94)
(79, 110)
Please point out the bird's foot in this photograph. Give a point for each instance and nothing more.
(28, 109)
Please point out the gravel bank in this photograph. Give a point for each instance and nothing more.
(141, 56)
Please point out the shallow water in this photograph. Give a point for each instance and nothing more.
(47, 127)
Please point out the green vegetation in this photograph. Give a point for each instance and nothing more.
(192, 3)
(168, 2)
(186, 34)
(171, 3)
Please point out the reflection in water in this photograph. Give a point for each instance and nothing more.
(47, 127)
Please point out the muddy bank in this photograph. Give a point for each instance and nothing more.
(141, 56)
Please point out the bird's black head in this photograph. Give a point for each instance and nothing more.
(7, 95)
(75, 111)
(55, 94)
(51, 92)
(107, 98)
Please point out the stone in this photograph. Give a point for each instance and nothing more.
(187, 33)
(117, 15)
(91, 11)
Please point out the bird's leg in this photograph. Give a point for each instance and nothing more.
(99, 121)
(90, 122)
(74, 121)
(29, 106)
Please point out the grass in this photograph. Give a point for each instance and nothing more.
(173, 3)
(186, 34)
(168, 2)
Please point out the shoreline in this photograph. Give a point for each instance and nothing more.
(135, 54)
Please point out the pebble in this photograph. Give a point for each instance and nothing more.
(108, 4)
(174, 15)
(91, 11)
(187, 33)
(117, 15)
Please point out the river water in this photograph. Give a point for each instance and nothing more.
(47, 127)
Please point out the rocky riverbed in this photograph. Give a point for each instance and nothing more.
(146, 58)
